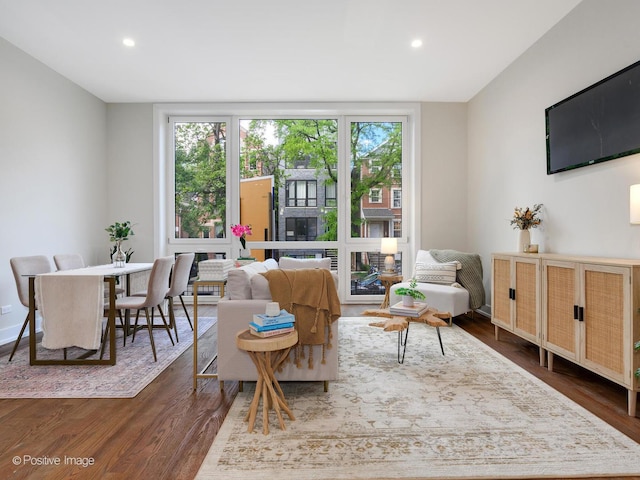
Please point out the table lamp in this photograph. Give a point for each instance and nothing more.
(634, 204)
(389, 247)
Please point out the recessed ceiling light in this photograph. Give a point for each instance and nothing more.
(417, 43)
(128, 42)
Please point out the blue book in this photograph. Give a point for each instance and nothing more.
(264, 320)
(260, 328)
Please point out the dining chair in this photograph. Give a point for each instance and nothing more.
(68, 261)
(156, 292)
(179, 282)
(22, 268)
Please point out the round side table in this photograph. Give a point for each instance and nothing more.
(267, 354)
(388, 279)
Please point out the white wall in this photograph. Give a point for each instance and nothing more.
(53, 181)
(130, 173)
(444, 176)
(586, 211)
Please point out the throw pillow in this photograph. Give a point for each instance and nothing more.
(443, 273)
(289, 263)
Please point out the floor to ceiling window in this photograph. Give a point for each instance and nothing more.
(308, 184)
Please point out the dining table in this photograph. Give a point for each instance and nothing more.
(75, 310)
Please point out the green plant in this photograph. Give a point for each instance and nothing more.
(636, 346)
(411, 290)
(120, 231)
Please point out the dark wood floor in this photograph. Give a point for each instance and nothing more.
(165, 432)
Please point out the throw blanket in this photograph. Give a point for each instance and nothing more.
(469, 276)
(310, 295)
(71, 308)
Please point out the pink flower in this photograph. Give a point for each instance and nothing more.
(241, 231)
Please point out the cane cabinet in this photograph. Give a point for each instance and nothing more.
(515, 297)
(584, 309)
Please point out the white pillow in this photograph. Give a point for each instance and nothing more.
(289, 263)
(260, 288)
(238, 285)
(443, 273)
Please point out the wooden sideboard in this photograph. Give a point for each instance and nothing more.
(584, 309)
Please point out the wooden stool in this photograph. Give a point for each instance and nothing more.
(267, 354)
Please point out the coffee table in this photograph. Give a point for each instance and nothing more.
(399, 323)
(267, 354)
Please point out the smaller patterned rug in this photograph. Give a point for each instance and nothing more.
(470, 414)
(133, 371)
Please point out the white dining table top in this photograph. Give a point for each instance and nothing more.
(107, 270)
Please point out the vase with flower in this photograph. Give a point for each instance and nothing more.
(523, 220)
(241, 231)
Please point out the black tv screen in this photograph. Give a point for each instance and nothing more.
(599, 123)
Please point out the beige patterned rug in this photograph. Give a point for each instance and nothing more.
(469, 414)
(133, 371)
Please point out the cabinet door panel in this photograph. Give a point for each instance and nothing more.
(526, 304)
(501, 303)
(604, 319)
(561, 328)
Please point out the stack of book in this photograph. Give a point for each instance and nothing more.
(265, 326)
(418, 309)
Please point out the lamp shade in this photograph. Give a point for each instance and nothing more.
(634, 203)
(389, 246)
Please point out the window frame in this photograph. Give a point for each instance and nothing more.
(407, 112)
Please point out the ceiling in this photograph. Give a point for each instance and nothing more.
(279, 50)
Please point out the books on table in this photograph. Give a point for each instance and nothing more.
(271, 333)
(418, 309)
(264, 320)
(265, 326)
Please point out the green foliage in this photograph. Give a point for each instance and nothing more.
(411, 290)
(636, 346)
(331, 226)
(120, 231)
(201, 175)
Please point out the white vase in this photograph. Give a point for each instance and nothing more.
(524, 239)
(245, 253)
(407, 300)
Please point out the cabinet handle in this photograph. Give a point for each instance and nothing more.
(575, 312)
(512, 293)
(581, 314)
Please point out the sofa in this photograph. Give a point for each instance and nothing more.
(450, 280)
(247, 293)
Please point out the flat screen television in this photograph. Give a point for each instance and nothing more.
(599, 123)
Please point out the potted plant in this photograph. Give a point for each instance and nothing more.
(410, 293)
(523, 220)
(241, 231)
(637, 349)
(118, 233)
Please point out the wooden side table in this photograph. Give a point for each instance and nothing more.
(267, 354)
(388, 279)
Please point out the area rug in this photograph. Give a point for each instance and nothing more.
(133, 371)
(470, 414)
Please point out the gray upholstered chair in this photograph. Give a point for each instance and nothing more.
(68, 261)
(179, 282)
(156, 292)
(22, 267)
